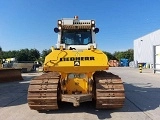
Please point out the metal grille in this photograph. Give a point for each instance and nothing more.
(75, 27)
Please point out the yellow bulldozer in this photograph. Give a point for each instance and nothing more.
(75, 71)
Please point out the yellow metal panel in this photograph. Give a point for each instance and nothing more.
(65, 61)
(76, 85)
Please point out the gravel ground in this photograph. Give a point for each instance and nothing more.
(142, 100)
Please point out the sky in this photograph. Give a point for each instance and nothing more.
(30, 23)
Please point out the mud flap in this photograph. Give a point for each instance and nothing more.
(8, 75)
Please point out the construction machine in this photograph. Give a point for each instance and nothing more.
(9, 74)
(75, 71)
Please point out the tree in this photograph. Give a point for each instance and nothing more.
(128, 54)
(119, 55)
(44, 54)
(1, 52)
(22, 55)
(109, 55)
(33, 55)
(28, 55)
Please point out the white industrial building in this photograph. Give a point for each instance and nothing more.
(147, 50)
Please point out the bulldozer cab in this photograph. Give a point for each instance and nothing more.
(75, 33)
(78, 37)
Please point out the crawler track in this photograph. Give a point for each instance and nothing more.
(109, 93)
(42, 92)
